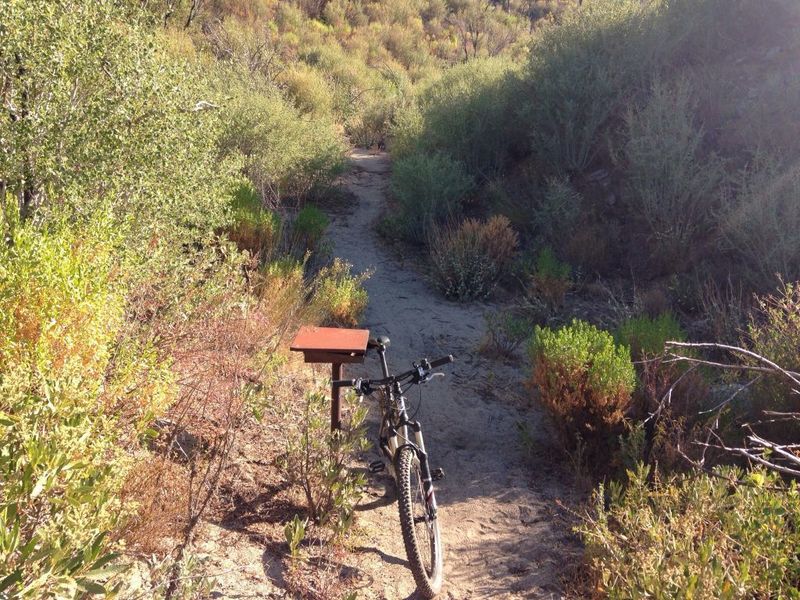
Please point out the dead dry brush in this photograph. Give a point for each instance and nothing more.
(757, 448)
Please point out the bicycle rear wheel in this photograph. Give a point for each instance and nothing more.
(420, 532)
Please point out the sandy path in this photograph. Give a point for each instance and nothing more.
(501, 540)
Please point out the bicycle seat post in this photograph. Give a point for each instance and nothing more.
(380, 344)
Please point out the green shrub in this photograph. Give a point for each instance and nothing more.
(308, 90)
(774, 333)
(98, 108)
(585, 382)
(309, 226)
(286, 155)
(281, 282)
(339, 296)
(254, 228)
(556, 213)
(697, 536)
(63, 462)
(550, 278)
(762, 225)
(580, 66)
(669, 186)
(317, 460)
(646, 336)
(470, 114)
(470, 259)
(430, 190)
(505, 333)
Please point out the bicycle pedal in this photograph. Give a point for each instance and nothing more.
(437, 474)
(377, 466)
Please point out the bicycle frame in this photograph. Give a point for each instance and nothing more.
(394, 433)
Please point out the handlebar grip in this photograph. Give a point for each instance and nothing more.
(442, 361)
(340, 383)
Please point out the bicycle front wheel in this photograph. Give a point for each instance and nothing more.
(420, 531)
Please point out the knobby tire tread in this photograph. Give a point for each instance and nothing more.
(405, 467)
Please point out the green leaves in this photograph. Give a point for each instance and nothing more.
(585, 381)
(294, 532)
(696, 536)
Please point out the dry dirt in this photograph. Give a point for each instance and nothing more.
(502, 534)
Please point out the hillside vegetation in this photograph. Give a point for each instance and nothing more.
(620, 174)
(644, 153)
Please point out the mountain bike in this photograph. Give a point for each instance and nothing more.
(400, 441)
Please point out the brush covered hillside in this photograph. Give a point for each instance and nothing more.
(633, 183)
(160, 169)
(620, 180)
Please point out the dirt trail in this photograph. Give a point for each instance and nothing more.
(501, 538)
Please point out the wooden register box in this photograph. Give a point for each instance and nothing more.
(335, 346)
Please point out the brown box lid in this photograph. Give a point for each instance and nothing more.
(325, 344)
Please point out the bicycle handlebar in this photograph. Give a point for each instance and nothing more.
(442, 361)
(418, 373)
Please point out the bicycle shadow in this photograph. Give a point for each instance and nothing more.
(379, 485)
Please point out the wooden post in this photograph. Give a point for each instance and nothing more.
(336, 401)
(334, 346)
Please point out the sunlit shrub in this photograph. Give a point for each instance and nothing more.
(286, 155)
(647, 336)
(309, 90)
(585, 382)
(282, 287)
(430, 189)
(317, 461)
(698, 534)
(63, 461)
(470, 259)
(339, 295)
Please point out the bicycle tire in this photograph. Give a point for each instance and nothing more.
(411, 500)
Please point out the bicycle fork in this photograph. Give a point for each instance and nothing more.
(390, 448)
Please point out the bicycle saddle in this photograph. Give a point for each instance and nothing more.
(379, 342)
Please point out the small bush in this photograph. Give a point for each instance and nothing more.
(669, 185)
(281, 285)
(254, 228)
(697, 536)
(430, 190)
(339, 296)
(646, 336)
(762, 227)
(550, 279)
(469, 260)
(470, 113)
(557, 211)
(505, 333)
(728, 309)
(585, 382)
(774, 332)
(317, 460)
(308, 228)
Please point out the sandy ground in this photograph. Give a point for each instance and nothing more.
(499, 518)
(497, 500)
